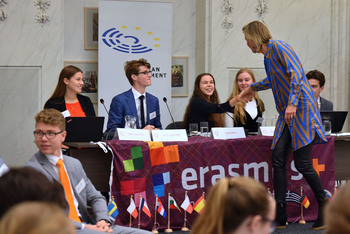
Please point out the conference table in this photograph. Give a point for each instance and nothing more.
(201, 161)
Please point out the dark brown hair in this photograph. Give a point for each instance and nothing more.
(214, 98)
(132, 67)
(317, 75)
(27, 184)
(67, 72)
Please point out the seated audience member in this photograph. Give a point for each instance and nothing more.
(237, 205)
(317, 81)
(27, 184)
(67, 98)
(136, 101)
(36, 218)
(337, 213)
(245, 114)
(204, 105)
(80, 192)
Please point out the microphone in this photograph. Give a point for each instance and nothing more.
(103, 103)
(166, 103)
(106, 134)
(226, 113)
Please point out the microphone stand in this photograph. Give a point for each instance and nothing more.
(107, 136)
(166, 103)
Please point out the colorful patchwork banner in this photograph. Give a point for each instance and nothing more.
(196, 165)
(160, 154)
(159, 182)
(136, 161)
(130, 187)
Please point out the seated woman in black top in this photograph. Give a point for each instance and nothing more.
(204, 104)
(245, 114)
(66, 97)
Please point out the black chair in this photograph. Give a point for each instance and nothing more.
(175, 125)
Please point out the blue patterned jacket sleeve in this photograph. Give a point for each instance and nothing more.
(286, 78)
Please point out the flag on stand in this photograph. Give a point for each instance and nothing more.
(173, 204)
(132, 208)
(113, 209)
(199, 205)
(160, 208)
(144, 207)
(335, 192)
(186, 204)
(3, 167)
(304, 201)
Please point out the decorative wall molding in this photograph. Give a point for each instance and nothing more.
(3, 16)
(227, 10)
(41, 17)
(261, 9)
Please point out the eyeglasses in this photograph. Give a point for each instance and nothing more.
(145, 73)
(273, 223)
(49, 135)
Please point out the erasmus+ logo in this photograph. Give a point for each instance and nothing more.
(130, 41)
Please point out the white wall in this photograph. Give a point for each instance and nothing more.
(30, 61)
(31, 55)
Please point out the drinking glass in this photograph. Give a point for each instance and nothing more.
(193, 129)
(204, 128)
(327, 127)
(130, 121)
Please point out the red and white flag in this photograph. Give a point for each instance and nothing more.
(132, 208)
(160, 208)
(186, 205)
(144, 207)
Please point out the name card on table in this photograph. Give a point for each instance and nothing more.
(267, 131)
(170, 135)
(228, 133)
(129, 134)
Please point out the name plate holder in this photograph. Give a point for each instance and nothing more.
(129, 134)
(267, 130)
(169, 135)
(227, 133)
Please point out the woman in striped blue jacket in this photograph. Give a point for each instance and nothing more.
(299, 124)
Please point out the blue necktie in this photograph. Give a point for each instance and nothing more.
(142, 112)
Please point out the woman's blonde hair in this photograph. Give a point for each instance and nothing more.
(229, 203)
(337, 213)
(238, 113)
(36, 218)
(258, 33)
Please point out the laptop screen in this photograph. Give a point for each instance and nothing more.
(337, 119)
(84, 129)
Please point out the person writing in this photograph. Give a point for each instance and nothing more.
(245, 114)
(299, 124)
(136, 101)
(237, 205)
(67, 98)
(204, 105)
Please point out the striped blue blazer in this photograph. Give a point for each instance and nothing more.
(286, 78)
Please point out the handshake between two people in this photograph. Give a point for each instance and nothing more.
(245, 96)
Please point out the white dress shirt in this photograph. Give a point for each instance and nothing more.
(138, 104)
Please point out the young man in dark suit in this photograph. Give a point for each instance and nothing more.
(136, 101)
(317, 81)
